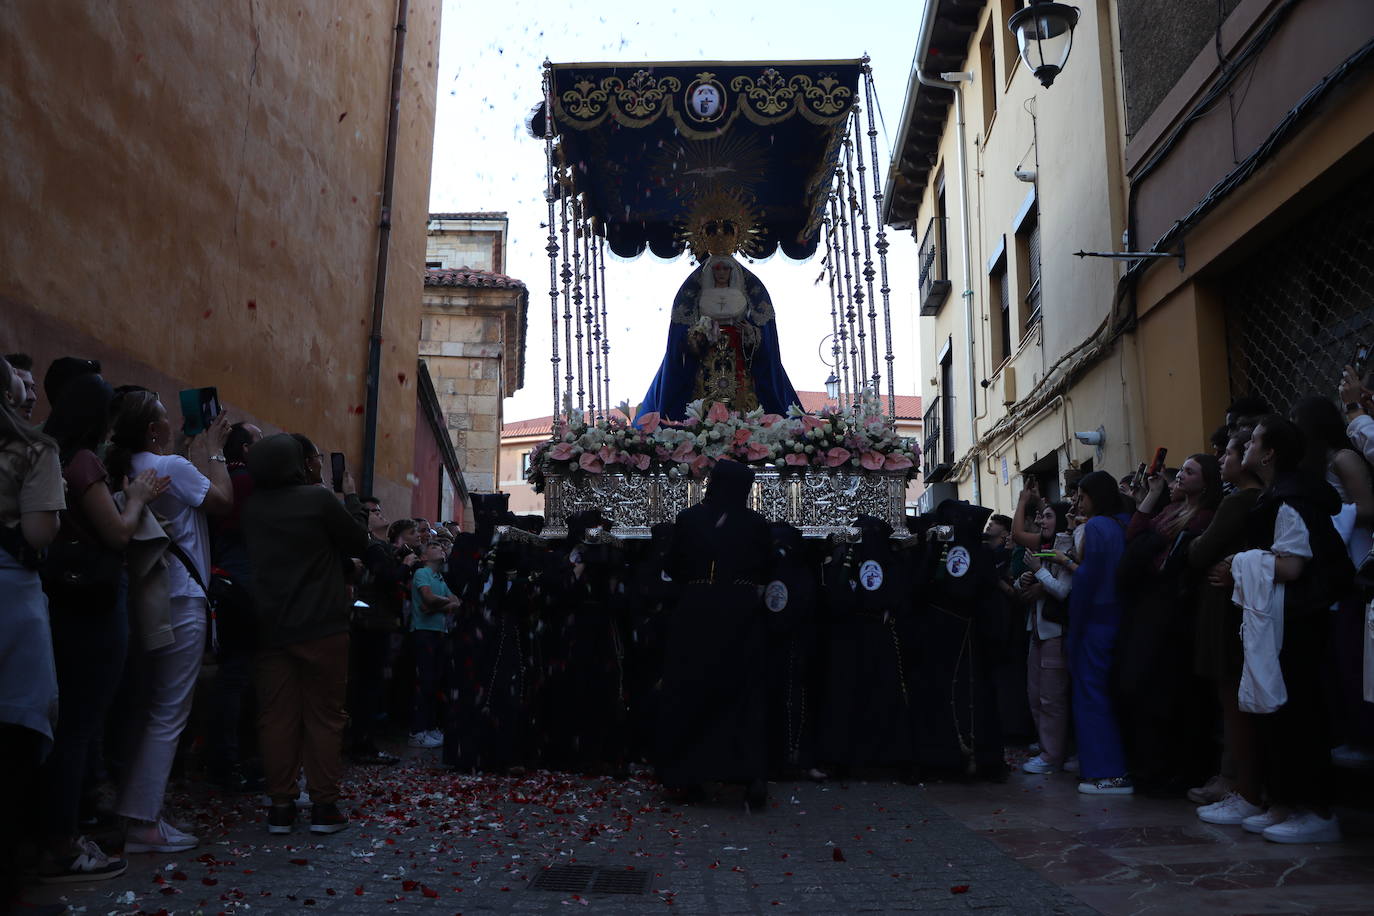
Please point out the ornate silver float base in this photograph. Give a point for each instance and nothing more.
(820, 504)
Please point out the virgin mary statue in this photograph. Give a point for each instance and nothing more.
(723, 341)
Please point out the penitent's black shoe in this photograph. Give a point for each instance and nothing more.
(757, 795)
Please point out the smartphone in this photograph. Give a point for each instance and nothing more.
(1157, 466)
(1361, 358)
(1139, 477)
(199, 407)
(336, 470)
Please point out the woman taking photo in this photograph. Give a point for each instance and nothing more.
(1094, 625)
(83, 578)
(143, 440)
(1167, 730)
(30, 499)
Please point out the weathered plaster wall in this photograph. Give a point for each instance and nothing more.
(191, 193)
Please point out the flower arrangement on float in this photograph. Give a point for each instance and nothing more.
(855, 439)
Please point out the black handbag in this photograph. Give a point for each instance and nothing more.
(78, 570)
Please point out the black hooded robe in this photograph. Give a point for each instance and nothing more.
(713, 705)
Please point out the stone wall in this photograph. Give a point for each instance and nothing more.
(462, 340)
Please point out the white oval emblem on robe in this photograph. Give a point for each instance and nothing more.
(871, 575)
(958, 562)
(775, 596)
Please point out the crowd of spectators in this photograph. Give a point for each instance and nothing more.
(1200, 630)
(1205, 630)
(135, 559)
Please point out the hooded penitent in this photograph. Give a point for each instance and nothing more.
(300, 540)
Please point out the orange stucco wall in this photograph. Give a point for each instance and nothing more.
(191, 194)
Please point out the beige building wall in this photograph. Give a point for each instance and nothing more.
(523, 499)
(476, 240)
(191, 194)
(1067, 138)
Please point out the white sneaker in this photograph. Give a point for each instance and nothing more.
(1117, 785)
(158, 837)
(1039, 766)
(1230, 811)
(1258, 823)
(1305, 827)
(1213, 791)
(1071, 765)
(425, 740)
(437, 734)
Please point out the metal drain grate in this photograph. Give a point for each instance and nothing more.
(567, 879)
(584, 879)
(620, 881)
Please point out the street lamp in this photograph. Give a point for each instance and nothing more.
(832, 387)
(1044, 33)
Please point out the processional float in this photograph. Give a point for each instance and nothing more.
(717, 160)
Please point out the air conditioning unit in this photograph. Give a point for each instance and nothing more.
(1008, 385)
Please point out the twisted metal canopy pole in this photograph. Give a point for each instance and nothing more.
(593, 311)
(834, 313)
(551, 246)
(847, 288)
(852, 199)
(882, 240)
(577, 296)
(835, 257)
(565, 275)
(605, 326)
(868, 254)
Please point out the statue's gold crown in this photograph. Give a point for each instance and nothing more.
(721, 222)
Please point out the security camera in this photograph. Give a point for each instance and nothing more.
(1025, 175)
(1092, 437)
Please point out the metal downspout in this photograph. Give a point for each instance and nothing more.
(374, 341)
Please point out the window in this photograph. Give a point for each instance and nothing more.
(947, 404)
(987, 75)
(433, 265)
(1010, 53)
(941, 226)
(999, 294)
(525, 466)
(1028, 257)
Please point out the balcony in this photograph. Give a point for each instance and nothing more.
(934, 263)
(937, 455)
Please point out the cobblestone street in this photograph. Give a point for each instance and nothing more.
(423, 837)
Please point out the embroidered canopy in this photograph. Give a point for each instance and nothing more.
(642, 143)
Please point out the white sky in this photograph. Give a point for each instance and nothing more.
(489, 78)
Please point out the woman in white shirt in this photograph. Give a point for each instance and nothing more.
(1047, 673)
(142, 439)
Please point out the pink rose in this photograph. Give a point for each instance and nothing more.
(797, 459)
(590, 462)
(718, 413)
(649, 422)
(684, 451)
(741, 436)
(896, 462)
(562, 451)
(810, 422)
(836, 457)
(871, 460)
(756, 452)
(639, 461)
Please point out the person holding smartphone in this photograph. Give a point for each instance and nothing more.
(169, 657)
